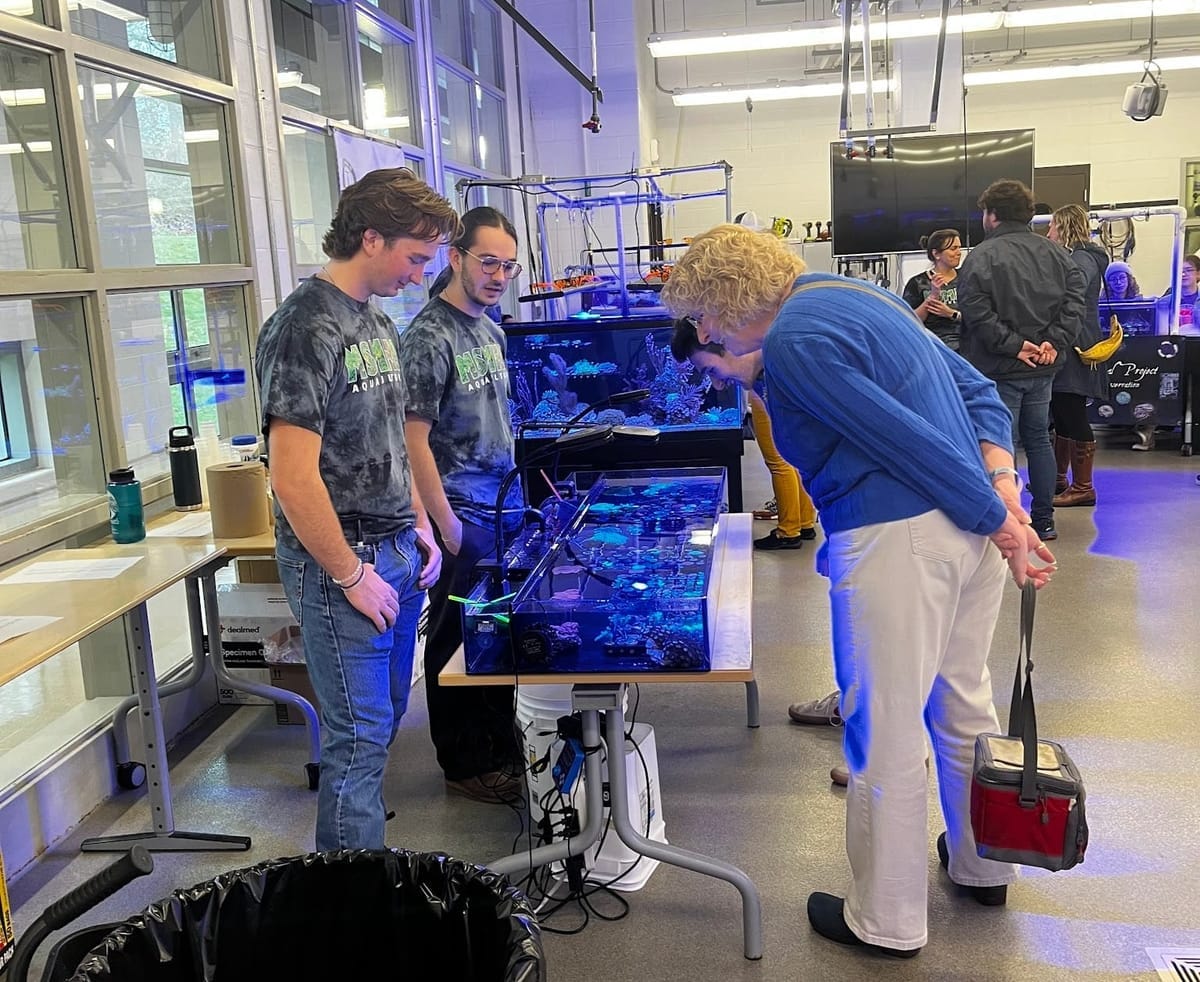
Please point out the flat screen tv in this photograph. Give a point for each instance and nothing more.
(885, 204)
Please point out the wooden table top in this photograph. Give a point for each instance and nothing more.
(83, 606)
(732, 659)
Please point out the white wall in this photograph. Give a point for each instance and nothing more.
(780, 152)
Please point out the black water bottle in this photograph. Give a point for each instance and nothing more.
(185, 468)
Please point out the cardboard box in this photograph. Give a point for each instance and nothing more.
(295, 679)
(8, 937)
(256, 624)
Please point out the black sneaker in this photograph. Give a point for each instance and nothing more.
(987, 896)
(773, 540)
(808, 534)
(1045, 531)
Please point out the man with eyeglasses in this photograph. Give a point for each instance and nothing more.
(460, 439)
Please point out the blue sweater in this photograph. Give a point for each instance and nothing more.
(882, 420)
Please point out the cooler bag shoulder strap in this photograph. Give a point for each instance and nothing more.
(1022, 716)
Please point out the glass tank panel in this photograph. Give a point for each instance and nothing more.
(557, 369)
(620, 580)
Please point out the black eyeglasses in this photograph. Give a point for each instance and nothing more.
(491, 265)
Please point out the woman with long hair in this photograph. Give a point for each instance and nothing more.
(933, 294)
(1074, 442)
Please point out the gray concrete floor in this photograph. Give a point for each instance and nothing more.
(1118, 678)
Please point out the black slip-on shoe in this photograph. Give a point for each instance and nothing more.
(987, 896)
(826, 914)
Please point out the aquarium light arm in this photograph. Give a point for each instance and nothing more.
(578, 439)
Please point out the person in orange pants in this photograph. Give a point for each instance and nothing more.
(797, 515)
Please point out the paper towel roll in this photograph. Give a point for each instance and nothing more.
(237, 498)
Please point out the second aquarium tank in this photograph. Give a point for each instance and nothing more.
(558, 369)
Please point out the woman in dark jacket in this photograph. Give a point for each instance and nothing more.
(1074, 442)
(933, 295)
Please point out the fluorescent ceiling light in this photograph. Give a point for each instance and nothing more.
(201, 136)
(719, 95)
(106, 8)
(900, 28)
(1088, 13)
(295, 80)
(23, 97)
(18, 8)
(1092, 70)
(34, 146)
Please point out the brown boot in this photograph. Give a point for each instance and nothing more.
(1081, 493)
(1062, 457)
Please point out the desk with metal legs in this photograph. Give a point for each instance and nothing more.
(593, 694)
(84, 606)
(201, 589)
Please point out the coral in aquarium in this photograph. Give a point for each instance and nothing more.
(674, 397)
(583, 368)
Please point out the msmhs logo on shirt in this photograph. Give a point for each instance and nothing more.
(371, 363)
(478, 367)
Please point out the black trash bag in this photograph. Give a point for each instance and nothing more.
(334, 917)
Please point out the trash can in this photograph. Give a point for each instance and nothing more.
(389, 914)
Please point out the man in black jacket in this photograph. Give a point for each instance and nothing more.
(1021, 298)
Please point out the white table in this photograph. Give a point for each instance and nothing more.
(605, 692)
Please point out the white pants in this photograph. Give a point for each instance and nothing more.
(914, 605)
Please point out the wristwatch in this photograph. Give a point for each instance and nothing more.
(1000, 471)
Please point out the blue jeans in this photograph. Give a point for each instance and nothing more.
(1029, 402)
(361, 678)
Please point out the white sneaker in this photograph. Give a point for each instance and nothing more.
(819, 712)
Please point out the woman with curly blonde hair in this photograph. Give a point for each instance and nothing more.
(907, 451)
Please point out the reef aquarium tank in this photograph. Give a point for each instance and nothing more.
(559, 368)
(622, 577)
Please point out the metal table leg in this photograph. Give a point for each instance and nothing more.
(614, 726)
(164, 837)
(752, 704)
(312, 769)
(132, 773)
(576, 845)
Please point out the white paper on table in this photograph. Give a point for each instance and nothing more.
(14, 626)
(55, 570)
(196, 524)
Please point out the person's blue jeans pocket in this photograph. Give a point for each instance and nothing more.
(361, 677)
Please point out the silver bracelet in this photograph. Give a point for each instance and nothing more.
(352, 580)
(999, 471)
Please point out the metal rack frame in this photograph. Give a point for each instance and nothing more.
(571, 193)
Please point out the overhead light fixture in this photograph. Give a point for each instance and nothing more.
(107, 8)
(295, 80)
(33, 146)
(23, 97)
(1046, 73)
(903, 28)
(18, 8)
(201, 136)
(719, 95)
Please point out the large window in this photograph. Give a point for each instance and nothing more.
(31, 9)
(48, 402)
(178, 31)
(182, 358)
(388, 97)
(312, 57)
(311, 191)
(486, 49)
(454, 115)
(159, 173)
(33, 203)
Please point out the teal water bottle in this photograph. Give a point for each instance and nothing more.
(125, 514)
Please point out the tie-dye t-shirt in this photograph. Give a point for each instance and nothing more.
(329, 363)
(456, 379)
